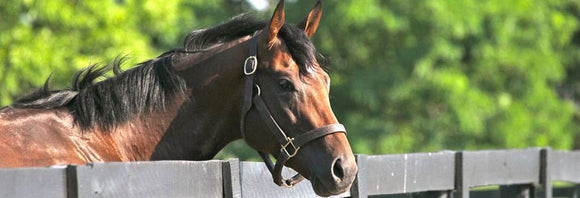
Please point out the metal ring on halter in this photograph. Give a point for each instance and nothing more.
(259, 91)
(254, 65)
(285, 183)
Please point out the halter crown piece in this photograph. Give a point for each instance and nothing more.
(289, 146)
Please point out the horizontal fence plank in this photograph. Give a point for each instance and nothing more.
(33, 182)
(151, 179)
(565, 166)
(385, 175)
(404, 173)
(517, 191)
(560, 192)
(501, 167)
(257, 182)
(571, 191)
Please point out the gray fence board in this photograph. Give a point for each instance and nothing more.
(501, 167)
(517, 191)
(257, 182)
(433, 194)
(411, 175)
(565, 166)
(151, 179)
(404, 173)
(568, 192)
(33, 182)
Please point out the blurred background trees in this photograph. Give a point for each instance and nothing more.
(407, 76)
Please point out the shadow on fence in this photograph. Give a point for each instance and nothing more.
(518, 172)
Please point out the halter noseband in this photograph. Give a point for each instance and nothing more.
(289, 146)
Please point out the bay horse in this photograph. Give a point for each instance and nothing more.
(246, 78)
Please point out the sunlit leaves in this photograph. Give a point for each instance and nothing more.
(407, 75)
(43, 37)
(451, 75)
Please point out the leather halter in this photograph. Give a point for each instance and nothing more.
(289, 146)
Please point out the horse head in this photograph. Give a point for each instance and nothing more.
(291, 116)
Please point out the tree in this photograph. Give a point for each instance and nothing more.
(43, 37)
(407, 76)
(431, 75)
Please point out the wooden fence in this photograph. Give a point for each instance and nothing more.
(519, 173)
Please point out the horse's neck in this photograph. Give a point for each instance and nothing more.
(135, 140)
(210, 118)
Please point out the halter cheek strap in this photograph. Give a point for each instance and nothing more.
(289, 146)
(250, 67)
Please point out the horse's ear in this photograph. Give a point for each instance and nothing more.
(276, 22)
(310, 23)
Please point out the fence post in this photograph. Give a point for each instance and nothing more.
(358, 189)
(461, 185)
(72, 186)
(231, 178)
(545, 173)
(517, 191)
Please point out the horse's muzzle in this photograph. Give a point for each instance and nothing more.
(338, 179)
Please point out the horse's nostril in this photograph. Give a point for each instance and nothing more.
(337, 170)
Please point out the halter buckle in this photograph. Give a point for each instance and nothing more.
(290, 142)
(253, 66)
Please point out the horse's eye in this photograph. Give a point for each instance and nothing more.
(286, 85)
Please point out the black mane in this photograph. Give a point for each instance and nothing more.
(301, 48)
(152, 84)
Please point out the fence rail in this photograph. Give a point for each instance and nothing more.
(519, 173)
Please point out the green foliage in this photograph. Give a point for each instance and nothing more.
(43, 37)
(431, 75)
(407, 76)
